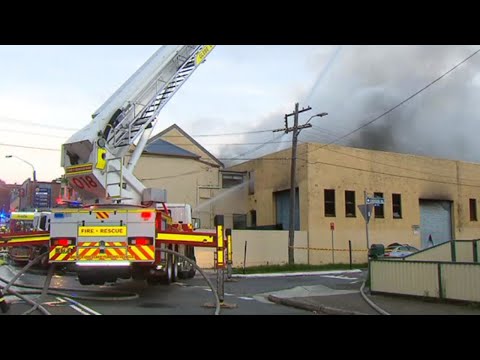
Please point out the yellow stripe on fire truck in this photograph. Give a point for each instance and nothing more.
(142, 252)
(62, 254)
(102, 215)
(107, 244)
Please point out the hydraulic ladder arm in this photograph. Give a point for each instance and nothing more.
(93, 158)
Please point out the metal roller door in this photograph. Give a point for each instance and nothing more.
(435, 221)
(282, 199)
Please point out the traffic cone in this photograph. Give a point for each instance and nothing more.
(3, 303)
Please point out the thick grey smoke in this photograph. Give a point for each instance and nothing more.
(369, 80)
(362, 82)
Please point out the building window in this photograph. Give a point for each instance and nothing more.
(239, 221)
(397, 206)
(251, 183)
(329, 203)
(350, 204)
(253, 218)
(231, 180)
(379, 209)
(473, 210)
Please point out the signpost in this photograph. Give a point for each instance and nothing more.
(332, 228)
(366, 210)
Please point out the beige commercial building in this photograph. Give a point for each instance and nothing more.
(424, 198)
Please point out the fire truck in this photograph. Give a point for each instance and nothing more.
(26, 223)
(122, 228)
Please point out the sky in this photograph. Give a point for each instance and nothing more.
(49, 92)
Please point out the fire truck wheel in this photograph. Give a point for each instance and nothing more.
(192, 271)
(174, 265)
(138, 273)
(85, 280)
(167, 278)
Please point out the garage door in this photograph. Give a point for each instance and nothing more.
(435, 221)
(282, 199)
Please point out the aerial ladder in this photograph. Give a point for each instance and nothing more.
(125, 226)
(94, 157)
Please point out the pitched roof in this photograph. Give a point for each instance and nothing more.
(192, 140)
(161, 147)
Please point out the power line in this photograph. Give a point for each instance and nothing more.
(175, 176)
(389, 174)
(9, 120)
(394, 166)
(29, 147)
(406, 100)
(257, 148)
(384, 164)
(32, 133)
(32, 123)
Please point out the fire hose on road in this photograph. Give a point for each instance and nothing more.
(46, 289)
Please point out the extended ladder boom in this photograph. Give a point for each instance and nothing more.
(94, 157)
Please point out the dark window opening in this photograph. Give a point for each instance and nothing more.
(251, 183)
(329, 203)
(231, 180)
(350, 210)
(239, 221)
(379, 209)
(397, 206)
(473, 210)
(253, 218)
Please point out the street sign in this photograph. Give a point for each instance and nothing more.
(375, 201)
(366, 211)
(42, 198)
(332, 226)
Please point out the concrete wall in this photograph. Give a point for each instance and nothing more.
(263, 248)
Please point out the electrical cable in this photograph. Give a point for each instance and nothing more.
(402, 102)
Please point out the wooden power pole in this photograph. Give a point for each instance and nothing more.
(296, 130)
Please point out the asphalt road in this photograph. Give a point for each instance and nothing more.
(187, 297)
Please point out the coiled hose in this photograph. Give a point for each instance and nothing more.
(122, 296)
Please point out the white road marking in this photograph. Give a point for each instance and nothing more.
(339, 277)
(86, 308)
(246, 298)
(79, 310)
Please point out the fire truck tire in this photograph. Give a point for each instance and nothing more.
(174, 266)
(167, 277)
(138, 273)
(85, 280)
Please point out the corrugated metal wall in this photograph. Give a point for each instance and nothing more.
(464, 251)
(461, 281)
(453, 281)
(438, 253)
(404, 277)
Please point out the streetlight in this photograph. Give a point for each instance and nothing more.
(318, 115)
(34, 176)
(25, 161)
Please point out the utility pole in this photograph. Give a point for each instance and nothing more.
(296, 130)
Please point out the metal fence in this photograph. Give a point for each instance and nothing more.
(432, 279)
